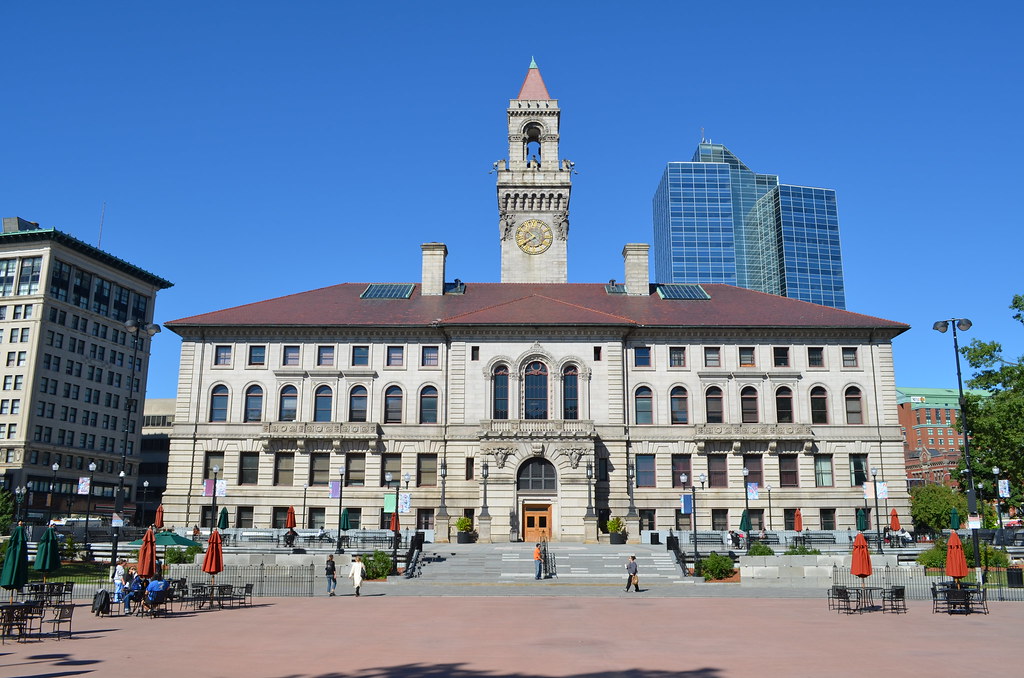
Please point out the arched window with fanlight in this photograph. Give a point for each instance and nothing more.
(323, 403)
(819, 405)
(748, 405)
(357, 404)
(393, 405)
(254, 403)
(571, 392)
(537, 474)
(219, 403)
(428, 405)
(784, 405)
(499, 387)
(678, 404)
(854, 406)
(535, 404)
(288, 407)
(644, 405)
(713, 405)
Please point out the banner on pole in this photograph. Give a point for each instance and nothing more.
(334, 489)
(752, 491)
(83, 485)
(1004, 489)
(685, 503)
(222, 488)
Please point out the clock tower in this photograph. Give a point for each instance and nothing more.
(533, 189)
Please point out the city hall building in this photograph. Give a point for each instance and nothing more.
(537, 407)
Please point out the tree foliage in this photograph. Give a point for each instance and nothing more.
(6, 511)
(930, 506)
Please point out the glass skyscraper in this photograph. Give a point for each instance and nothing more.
(717, 221)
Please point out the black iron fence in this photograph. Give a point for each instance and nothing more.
(1000, 584)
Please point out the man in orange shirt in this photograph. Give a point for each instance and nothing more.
(536, 562)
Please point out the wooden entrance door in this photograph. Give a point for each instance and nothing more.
(536, 522)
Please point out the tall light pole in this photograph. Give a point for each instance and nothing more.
(631, 513)
(590, 496)
(53, 488)
(19, 496)
(394, 548)
(145, 494)
(746, 503)
(995, 486)
(693, 510)
(305, 514)
(341, 488)
(442, 510)
(213, 507)
(963, 324)
(878, 522)
(88, 500)
(484, 473)
(134, 328)
(768, 489)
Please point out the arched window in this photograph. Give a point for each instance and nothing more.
(219, 403)
(571, 393)
(428, 405)
(357, 404)
(537, 474)
(393, 405)
(784, 405)
(500, 388)
(678, 405)
(713, 405)
(289, 406)
(819, 405)
(254, 403)
(854, 410)
(536, 403)
(643, 403)
(748, 405)
(323, 401)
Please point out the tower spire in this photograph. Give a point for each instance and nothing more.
(533, 86)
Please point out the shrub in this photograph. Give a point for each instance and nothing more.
(615, 524)
(801, 550)
(993, 557)
(177, 556)
(935, 556)
(69, 548)
(760, 549)
(378, 565)
(716, 566)
(464, 524)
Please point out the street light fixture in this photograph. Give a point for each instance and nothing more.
(88, 501)
(590, 497)
(878, 522)
(630, 471)
(341, 488)
(442, 510)
(213, 507)
(963, 324)
(53, 488)
(19, 496)
(995, 487)
(305, 514)
(485, 473)
(134, 328)
(145, 494)
(746, 502)
(394, 548)
(693, 510)
(768, 489)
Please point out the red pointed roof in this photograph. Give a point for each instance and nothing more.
(533, 86)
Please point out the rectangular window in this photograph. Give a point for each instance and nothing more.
(324, 356)
(789, 474)
(470, 468)
(780, 356)
(789, 518)
(355, 470)
(243, 516)
(222, 355)
(645, 473)
(815, 356)
(360, 355)
(849, 356)
(719, 519)
(823, 470)
(396, 356)
(747, 356)
(279, 517)
(249, 468)
(858, 469)
(290, 356)
(213, 459)
(681, 465)
(426, 470)
(677, 356)
(430, 356)
(755, 469)
(712, 356)
(258, 355)
(642, 356)
(828, 518)
(718, 473)
(284, 468)
(424, 519)
(390, 463)
(474, 353)
(319, 469)
(597, 354)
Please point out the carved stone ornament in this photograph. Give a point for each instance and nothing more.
(500, 454)
(575, 454)
(537, 449)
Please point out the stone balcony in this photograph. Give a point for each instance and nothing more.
(491, 429)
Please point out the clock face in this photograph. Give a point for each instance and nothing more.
(533, 236)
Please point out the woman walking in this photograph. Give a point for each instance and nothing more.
(357, 572)
(332, 578)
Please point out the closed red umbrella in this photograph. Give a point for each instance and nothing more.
(894, 521)
(213, 561)
(956, 561)
(147, 555)
(289, 520)
(159, 522)
(394, 522)
(861, 565)
(798, 521)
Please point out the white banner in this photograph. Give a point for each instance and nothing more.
(752, 491)
(1004, 488)
(83, 485)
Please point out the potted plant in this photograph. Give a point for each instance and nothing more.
(616, 530)
(464, 526)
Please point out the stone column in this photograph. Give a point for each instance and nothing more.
(441, 529)
(483, 529)
(633, 529)
(590, 535)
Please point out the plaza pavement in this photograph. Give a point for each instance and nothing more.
(528, 628)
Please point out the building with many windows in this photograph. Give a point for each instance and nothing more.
(73, 372)
(717, 221)
(535, 406)
(931, 440)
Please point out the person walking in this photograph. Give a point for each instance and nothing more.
(357, 572)
(537, 562)
(332, 576)
(119, 579)
(632, 579)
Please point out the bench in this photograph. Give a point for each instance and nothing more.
(317, 539)
(811, 539)
(258, 537)
(769, 538)
(709, 539)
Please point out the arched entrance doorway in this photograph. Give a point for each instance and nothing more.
(537, 487)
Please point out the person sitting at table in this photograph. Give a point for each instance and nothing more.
(289, 537)
(156, 592)
(132, 590)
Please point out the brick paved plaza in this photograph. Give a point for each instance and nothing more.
(521, 631)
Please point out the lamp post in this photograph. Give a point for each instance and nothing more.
(88, 500)
(19, 496)
(995, 488)
(746, 502)
(145, 494)
(394, 548)
(963, 324)
(341, 488)
(590, 496)
(50, 498)
(630, 471)
(213, 506)
(878, 522)
(768, 489)
(484, 473)
(693, 510)
(305, 514)
(442, 510)
(134, 328)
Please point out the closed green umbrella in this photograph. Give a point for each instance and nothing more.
(222, 521)
(346, 524)
(47, 553)
(862, 520)
(954, 519)
(745, 522)
(15, 570)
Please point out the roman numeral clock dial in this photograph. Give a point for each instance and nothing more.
(533, 236)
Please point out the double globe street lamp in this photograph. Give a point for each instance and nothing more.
(693, 509)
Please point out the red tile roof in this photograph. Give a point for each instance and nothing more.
(533, 86)
(552, 304)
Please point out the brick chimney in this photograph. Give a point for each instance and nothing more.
(638, 277)
(434, 254)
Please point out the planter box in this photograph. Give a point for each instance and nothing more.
(617, 538)
(464, 538)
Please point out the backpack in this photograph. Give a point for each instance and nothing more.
(101, 603)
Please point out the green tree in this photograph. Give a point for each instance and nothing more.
(930, 505)
(6, 511)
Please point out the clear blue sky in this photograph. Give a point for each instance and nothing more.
(247, 150)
